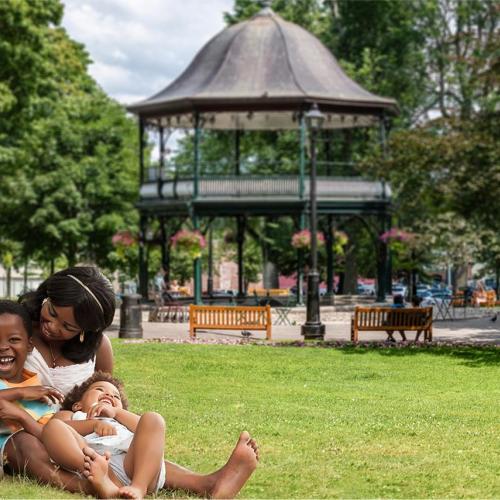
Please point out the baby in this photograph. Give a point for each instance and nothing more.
(129, 459)
(24, 402)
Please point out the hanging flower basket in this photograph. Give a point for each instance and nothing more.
(123, 239)
(395, 234)
(301, 240)
(191, 242)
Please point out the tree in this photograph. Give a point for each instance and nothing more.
(68, 170)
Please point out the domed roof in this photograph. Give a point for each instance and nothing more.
(259, 74)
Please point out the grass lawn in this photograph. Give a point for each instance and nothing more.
(349, 423)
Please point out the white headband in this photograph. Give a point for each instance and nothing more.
(88, 290)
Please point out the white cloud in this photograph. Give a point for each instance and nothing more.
(139, 46)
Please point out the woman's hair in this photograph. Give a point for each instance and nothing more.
(10, 307)
(93, 310)
(78, 391)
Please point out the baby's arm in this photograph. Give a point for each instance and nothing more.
(124, 417)
(85, 427)
(11, 411)
(127, 418)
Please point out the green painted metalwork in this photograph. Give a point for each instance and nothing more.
(302, 158)
(196, 224)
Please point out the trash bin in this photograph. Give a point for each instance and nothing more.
(131, 317)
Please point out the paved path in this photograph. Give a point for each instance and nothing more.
(480, 330)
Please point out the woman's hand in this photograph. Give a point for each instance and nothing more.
(104, 428)
(101, 410)
(44, 393)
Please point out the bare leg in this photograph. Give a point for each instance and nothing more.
(240, 466)
(143, 459)
(226, 481)
(27, 455)
(180, 478)
(64, 445)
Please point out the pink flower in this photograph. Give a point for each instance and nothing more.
(190, 241)
(302, 239)
(123, 238)
(396, 234)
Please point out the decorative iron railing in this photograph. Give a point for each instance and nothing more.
(256, 186)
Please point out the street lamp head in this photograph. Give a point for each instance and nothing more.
(314, 118)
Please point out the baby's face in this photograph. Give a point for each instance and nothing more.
(14, 347)
(99, 392)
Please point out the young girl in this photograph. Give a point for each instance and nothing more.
(131, 445)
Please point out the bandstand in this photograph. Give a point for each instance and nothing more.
(263, 74)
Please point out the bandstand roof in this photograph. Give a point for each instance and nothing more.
(259, 74)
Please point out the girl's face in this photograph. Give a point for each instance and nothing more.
(99, 392)
(57, 324)
(14, 347)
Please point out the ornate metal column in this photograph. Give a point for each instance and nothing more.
(196, 222)
(143, 265)
(240, 241)
(210, 278)
(143, 271)
(313, 328)
(330, 258)
(300, 253)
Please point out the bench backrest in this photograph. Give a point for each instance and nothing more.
(266, 292)
(244, 317)
(392, 318)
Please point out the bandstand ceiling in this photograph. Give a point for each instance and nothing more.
(261, 74)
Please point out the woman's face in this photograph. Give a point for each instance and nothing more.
(57, 323)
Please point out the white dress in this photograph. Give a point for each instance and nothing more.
(115, 444)
(63, 378)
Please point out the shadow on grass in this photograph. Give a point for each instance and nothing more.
(472, 355)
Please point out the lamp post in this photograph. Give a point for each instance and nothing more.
(313, 328)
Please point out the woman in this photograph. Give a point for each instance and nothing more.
(70, 311)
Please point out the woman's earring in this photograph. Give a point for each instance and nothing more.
(44, 300)
(82, 336)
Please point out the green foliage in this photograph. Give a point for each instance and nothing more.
(67, 151)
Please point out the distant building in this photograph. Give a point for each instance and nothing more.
(19, 282)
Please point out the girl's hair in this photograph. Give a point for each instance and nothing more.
(10, 307)
(78, 391)
(93, 311)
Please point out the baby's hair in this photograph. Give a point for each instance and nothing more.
(78, 391)
(10, 307)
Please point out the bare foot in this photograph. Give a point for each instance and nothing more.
(96, 471)
(131, 492)
(242, 462)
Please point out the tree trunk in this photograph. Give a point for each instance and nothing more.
(9, 280)
(351, 270)
(271, 275)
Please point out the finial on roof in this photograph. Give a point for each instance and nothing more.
(266, 8)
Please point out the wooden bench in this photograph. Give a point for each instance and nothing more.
(391, 319)
(229, 318)
(269, 292)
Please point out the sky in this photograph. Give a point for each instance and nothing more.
(139, 46)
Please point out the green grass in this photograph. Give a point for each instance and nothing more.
(349, 423)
